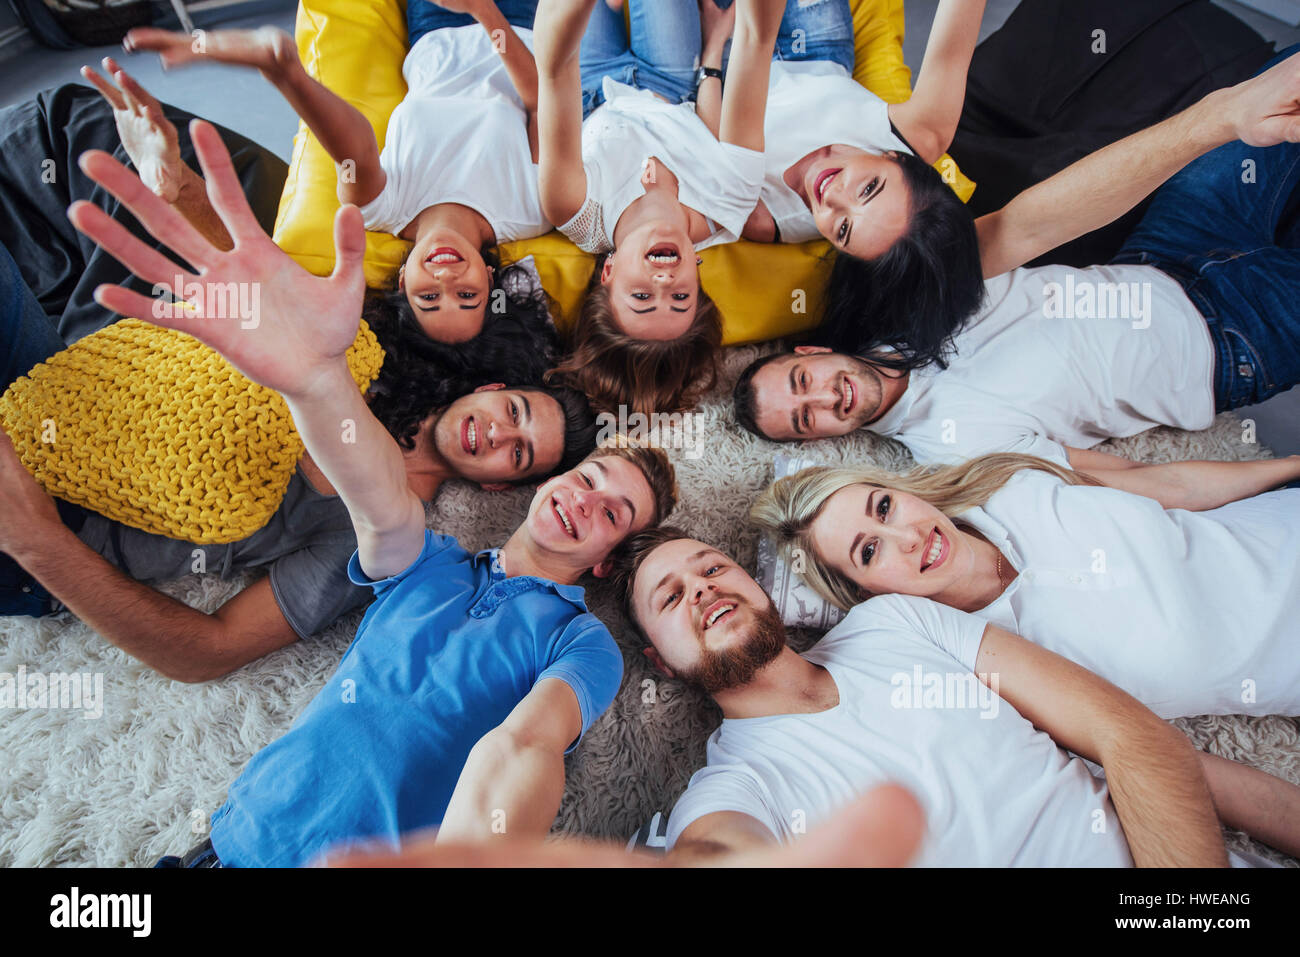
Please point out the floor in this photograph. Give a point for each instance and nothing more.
(273, 124)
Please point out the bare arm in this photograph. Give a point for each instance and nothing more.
(297, 346)
(557, 35)
(1155, 777)
(180, 642)
(340, 127)
(1198, 485)
(715, 29)
(744, 96)
(1099, 188)
(929, 119)
(513, 779)
(1261, 804)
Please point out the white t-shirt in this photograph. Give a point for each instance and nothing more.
(459, 136)
(995, 791)
(719, 180)
(1021, 381)
(1190, 612)
(811, 104)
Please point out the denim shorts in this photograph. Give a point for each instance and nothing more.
(422, 17)
(1227, 228)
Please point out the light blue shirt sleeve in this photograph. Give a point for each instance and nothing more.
(586, 658)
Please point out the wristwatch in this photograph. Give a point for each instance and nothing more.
(704, 72)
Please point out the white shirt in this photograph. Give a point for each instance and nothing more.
(459, 136)
(995, 791)
(1022, 381)
(719, 180)
(1190, 612)
(811, 104)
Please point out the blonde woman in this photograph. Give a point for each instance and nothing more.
(1186, 594)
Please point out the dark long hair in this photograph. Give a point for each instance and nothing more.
(914, 297)
(516, 346)
(646, 375)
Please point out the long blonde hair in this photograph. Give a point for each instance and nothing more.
(788, 508)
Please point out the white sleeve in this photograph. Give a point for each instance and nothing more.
(1036, 444)
(956, 632)
(382, 214)
(930, 449)
(714, 789)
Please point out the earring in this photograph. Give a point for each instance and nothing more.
(699, 260)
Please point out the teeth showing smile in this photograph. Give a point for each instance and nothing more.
(717, 613)
(473, 437)
(568, 525)
(444, 259)
(849, 396)
(663, 256)
(936, 549)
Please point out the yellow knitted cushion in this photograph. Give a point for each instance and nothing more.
(152, 428)
(357, 50)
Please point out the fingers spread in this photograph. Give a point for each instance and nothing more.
(144, 261)
(108, 90)
(163, 222)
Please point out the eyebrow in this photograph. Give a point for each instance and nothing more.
(701, 553)
(642, 312)
(853, 549)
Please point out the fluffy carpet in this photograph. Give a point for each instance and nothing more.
(141, 780)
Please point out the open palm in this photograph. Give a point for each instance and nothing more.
(274, 321)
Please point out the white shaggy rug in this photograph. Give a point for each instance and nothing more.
(141, 780)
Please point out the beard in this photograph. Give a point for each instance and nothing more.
(724, 670)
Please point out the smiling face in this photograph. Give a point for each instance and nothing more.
(653, 282)
(890, 542)
(448, 284)
(582, 515)
(859, 200)
(501, 435)
(710, 623)
(813, 394)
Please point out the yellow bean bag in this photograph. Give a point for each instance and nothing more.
(356, 49)
(152, 428)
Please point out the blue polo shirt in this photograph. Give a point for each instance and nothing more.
(443, 655)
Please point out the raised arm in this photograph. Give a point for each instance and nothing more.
(882, 828)
(150, 140)
(515, 55)
(928, 120)
(340, 127)
(1155, 777)
(1086, 195)
(744, 95)
(295, 345)
(1196, 485)
(715, 30)
(557, 36)
(513, 779)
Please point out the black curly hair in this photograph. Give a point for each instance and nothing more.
(517, 345)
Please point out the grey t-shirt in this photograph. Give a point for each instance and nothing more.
(306, 544)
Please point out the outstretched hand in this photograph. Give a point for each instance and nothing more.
(1265, 109)
(274, 321)
(148, 137)
(882, 828)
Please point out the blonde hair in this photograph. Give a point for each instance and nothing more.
(788, 508)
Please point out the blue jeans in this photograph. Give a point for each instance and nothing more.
(664, 48)
(660, 55)
(817, 30)
(422, 17)
(27, 336)
(1227, 227)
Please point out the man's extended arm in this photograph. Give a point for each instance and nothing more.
(297, 344)
(1103, 186)
(1154, 775)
